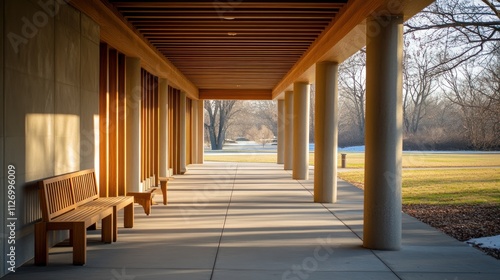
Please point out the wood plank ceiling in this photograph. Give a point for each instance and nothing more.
(226, 44)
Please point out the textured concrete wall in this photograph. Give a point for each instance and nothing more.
(50, 102)
(89, 97)
(67, 91)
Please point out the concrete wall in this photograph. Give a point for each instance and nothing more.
(49, 104)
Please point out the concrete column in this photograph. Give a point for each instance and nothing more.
(281, 131)
(288, 145)
(194, 131)
(163, 100)
(300, 131)
(182, 132)
(326, 132)
(194, 135)
(133, 124)
(201, 131)
(384, 135)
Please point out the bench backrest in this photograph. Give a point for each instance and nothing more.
(57, 196)
(64, 193)
(84, 186)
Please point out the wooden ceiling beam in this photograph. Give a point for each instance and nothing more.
(119, 35)
(195, 36)
(218, 29)
(223, 33)
(235, 12)
(236, 94)
(268, 23)
(239, 16)
(224, 5)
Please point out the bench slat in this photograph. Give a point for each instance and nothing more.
(57, 198)
(83, 215)
(71, 202)
(85, 186)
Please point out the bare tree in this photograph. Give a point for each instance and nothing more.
(241, 122)
(219, 114)
(446, 35)
(262, 136)
(464, 29)
(419, 82)
(265, 113)
(475, 90)
(352, 89)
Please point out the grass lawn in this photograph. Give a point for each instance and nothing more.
(440, 186)
(444, 186)
(356, 160)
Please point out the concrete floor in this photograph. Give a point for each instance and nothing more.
(252, 221)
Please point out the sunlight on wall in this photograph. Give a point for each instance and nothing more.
(39, 146)
(52, 144)
(66, 143)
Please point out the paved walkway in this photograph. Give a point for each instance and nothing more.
(252, 221)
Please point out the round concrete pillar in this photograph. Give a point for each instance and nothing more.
(182, 134)
(133, 124)
(384, 135)
(326, 132)
(288, 145)
(163, 130)
(281, 132)
(300, 131)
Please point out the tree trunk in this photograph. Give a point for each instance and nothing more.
(219, 113)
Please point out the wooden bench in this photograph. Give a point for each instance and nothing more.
(86, 195)
(70, 202)
(145, 199)
(59, 212)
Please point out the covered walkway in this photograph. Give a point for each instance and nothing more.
(252, 221)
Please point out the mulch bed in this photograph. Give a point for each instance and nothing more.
(462, 222)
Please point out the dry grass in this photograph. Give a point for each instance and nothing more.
(356, 160)
(459, 178)
(444, 186)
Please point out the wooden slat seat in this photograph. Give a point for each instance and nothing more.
(71, 202)
(118, 203)
(87, 195)
(76, 221)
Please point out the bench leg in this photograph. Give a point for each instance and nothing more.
(107, 229)
(146, 204)
(115, 224)
(128, 214)
(163, 186)
(79, 244)
(41, 245)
